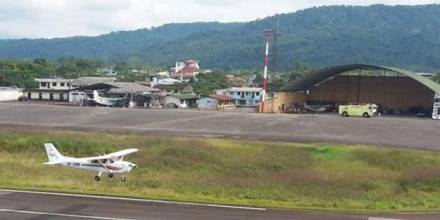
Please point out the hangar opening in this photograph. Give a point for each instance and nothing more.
(395, 91)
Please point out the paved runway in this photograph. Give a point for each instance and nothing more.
(400, 132)
(21, 205)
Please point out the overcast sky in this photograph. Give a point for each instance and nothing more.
(60, 18)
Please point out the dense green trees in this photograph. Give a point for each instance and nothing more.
(204, 84)
(437, 77)
(401, 36)
(22, 73)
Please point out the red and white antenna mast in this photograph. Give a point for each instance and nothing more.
(268, 38)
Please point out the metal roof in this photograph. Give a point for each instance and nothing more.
(120, 87)
(86, 81)
(184, 96)
(244, 89)
(315, 77)
(220, 97)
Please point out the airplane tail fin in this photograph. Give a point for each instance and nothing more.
(95, 95)
(53, 154)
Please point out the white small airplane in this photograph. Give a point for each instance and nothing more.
(100, 100)
(110, 163)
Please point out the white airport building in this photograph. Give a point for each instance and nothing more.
(55, 89)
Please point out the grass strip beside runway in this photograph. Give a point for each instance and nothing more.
(267, 174)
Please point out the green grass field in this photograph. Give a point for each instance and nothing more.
(268, 174)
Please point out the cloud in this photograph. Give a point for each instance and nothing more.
(60, 18)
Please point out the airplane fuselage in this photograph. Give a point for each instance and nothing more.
(115, 167)
(112, 163)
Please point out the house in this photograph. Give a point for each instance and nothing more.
(179, 95)
(181, 100)
(50, 89)
(169, 89)
(186, 70)
(161, 79)
(10, 94)
(216, 102)
(243, 96)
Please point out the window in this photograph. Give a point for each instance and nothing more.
(238, 93)
(258, 93)
(61, 97)
(62, 84)
(43, 84)
(68, 84)
(40, 96)
(54, 84)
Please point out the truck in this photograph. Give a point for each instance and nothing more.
(359, 110)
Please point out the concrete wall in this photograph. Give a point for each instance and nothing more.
(46, 96)
(10, 95)
(392, 93)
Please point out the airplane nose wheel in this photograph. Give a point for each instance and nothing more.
(110, 175)
(123, 179)
(97, 178)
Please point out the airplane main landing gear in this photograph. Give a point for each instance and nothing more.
(123, 179)
(98, 177)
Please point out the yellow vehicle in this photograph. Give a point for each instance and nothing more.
(361, 110)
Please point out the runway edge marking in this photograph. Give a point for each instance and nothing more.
(60, 214)
(133, 199)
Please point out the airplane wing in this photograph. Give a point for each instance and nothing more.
(121, 153)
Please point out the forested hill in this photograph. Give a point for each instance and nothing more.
(401, 36)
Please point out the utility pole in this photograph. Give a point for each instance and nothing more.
(268, 38)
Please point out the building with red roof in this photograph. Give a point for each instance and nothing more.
(186, 70)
